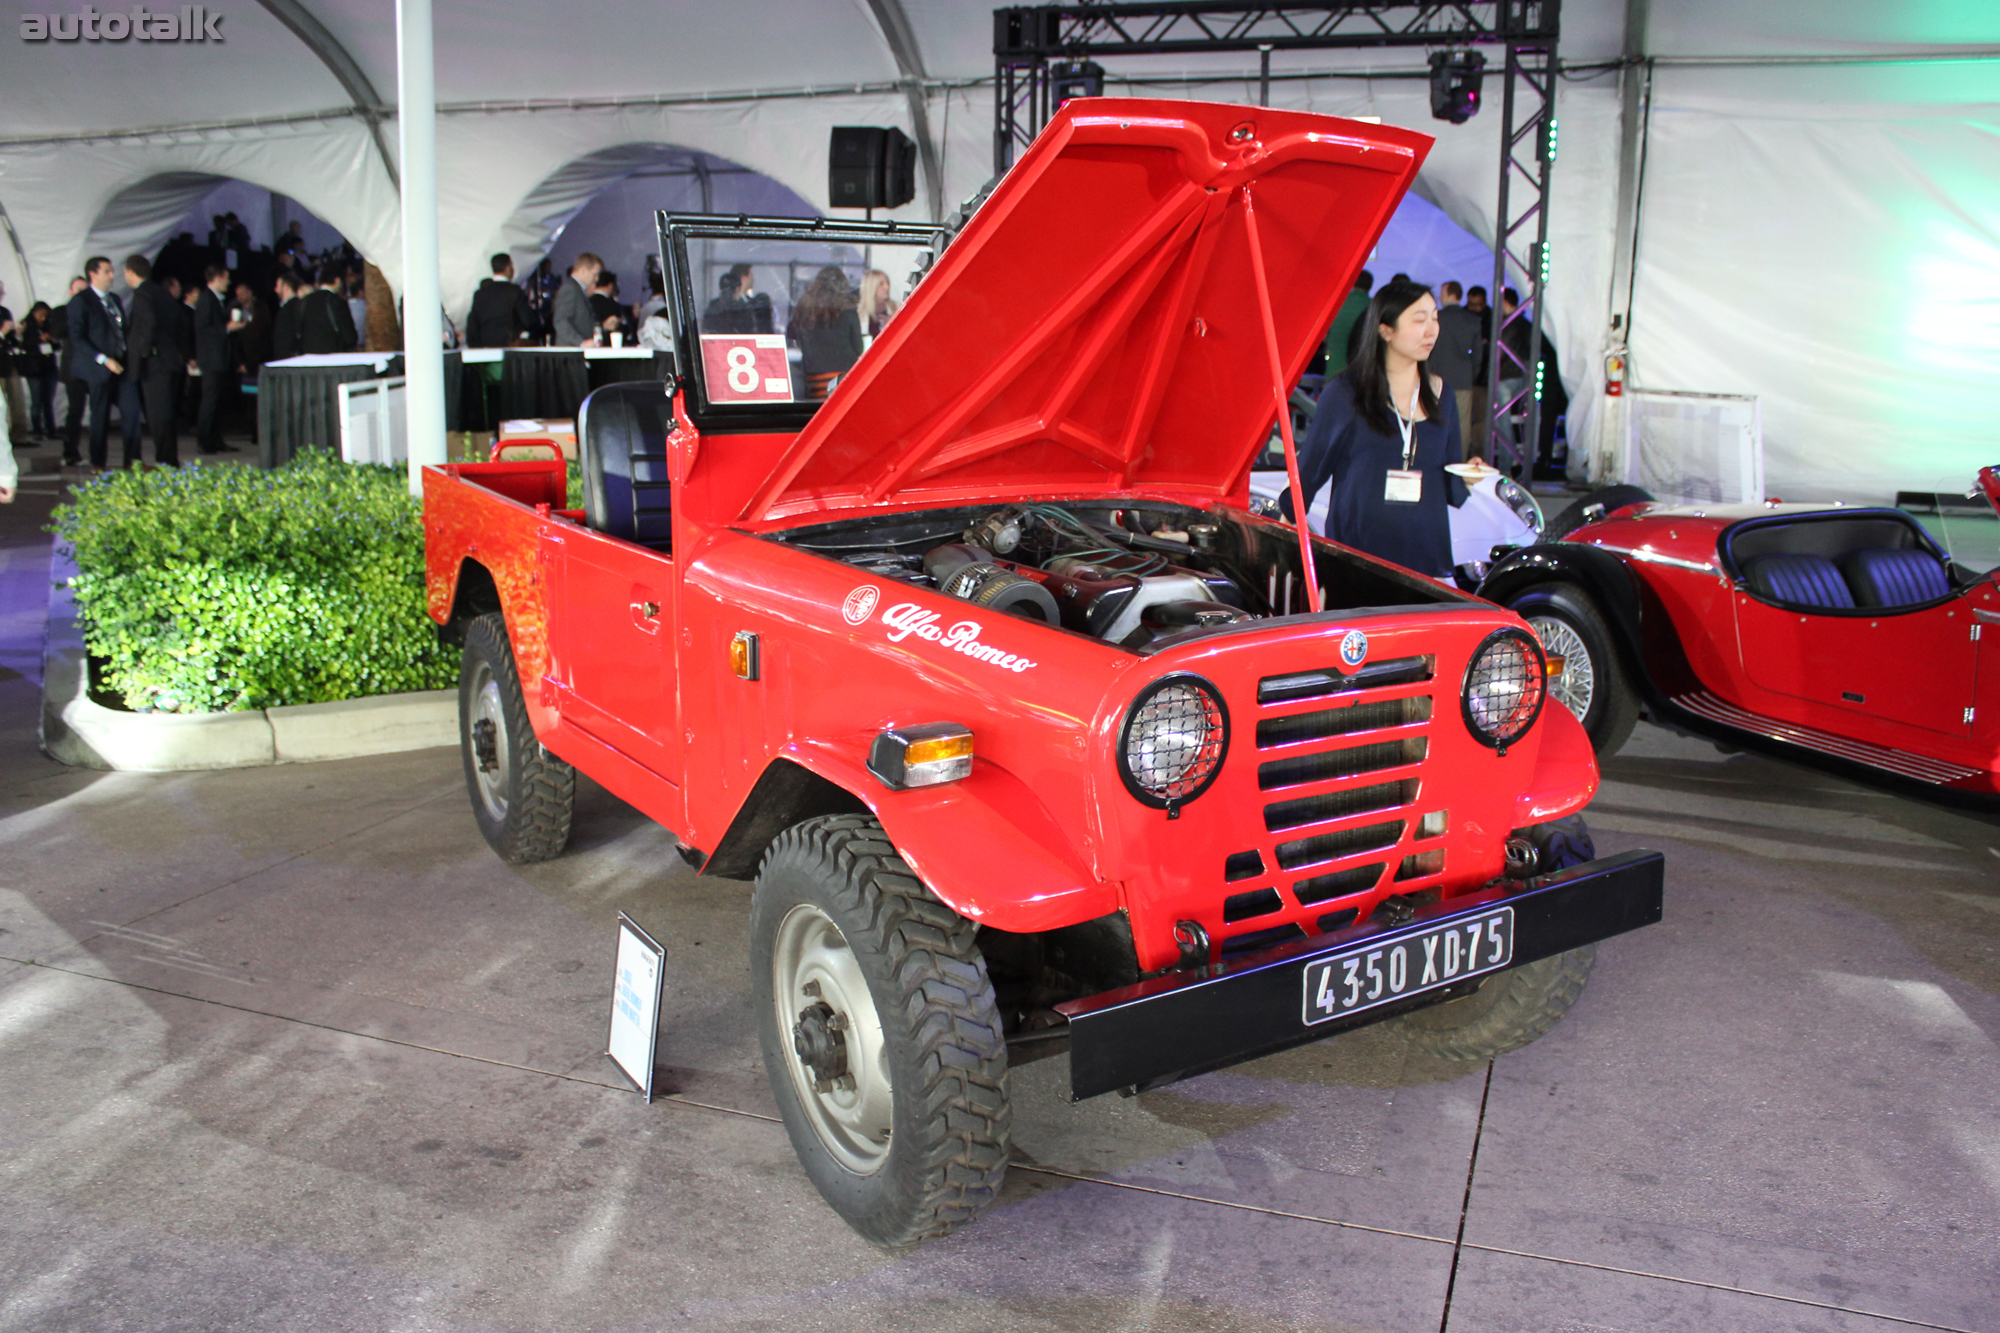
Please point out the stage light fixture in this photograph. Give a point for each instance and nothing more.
(1455, 79)
(1074, 78)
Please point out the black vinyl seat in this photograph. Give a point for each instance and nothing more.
(621, 438)
(1891, 578)
(1803, 580)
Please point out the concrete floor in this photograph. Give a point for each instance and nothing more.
(290, 1049)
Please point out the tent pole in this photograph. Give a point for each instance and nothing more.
(423, 311)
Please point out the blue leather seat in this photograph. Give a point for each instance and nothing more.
(1889, 578)
(1803, 580)
(621, 438)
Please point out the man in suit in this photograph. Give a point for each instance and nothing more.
(574, 326)
(325, 323)
(75, 391)
(249, 331)
(97, 356)
(1455, 360)
(211, 356)
(501, 315)
(154, 339)
(286, 331)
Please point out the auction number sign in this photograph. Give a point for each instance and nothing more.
(746, 368)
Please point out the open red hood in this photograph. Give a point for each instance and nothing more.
(1096, 326)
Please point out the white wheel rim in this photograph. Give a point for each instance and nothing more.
(811, 964)
(1576, 687)
(493, 773)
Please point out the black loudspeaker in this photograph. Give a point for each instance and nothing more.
(870, 166)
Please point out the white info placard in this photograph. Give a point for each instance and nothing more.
(635, 1003)
(746, 367)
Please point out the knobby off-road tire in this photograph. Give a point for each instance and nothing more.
(1517, 1006)
(880, 1033)
(522, 796)
(1593, 686)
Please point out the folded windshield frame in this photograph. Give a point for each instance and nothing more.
(680, 233)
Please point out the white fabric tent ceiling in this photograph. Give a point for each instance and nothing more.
(1821, 234)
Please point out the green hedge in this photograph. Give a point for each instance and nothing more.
(216, 588)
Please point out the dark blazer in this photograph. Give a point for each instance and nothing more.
(157, 328)
(286, 340)
(500, 314)
(211, 333)
(325, 323)
(93, 333)
(251, 344)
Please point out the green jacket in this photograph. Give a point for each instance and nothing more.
(1337, 336)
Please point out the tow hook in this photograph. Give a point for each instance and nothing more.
(1521, 858)
(1192, 940)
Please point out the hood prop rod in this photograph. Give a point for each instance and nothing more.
(1309, 570)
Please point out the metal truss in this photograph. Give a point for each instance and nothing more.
(1029, 40)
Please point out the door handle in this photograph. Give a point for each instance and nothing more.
(647, 610)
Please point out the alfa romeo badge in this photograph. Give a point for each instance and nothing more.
(1354, 648)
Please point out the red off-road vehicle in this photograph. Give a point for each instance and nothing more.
(935, 603)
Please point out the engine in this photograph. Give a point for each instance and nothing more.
(1111, 580)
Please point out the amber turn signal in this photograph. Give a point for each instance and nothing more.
(1556, 665)
(744, 658)
(921, 756)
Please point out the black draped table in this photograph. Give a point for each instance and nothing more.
(298, 402)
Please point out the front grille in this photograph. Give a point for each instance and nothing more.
(1301, 727)
(1304, 810)
(1348, 763)
(1324, 811)
(1339, 884)
(1374, 676)
(1343, 842)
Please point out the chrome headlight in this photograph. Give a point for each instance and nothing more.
(1173, 741)
(1522, 501)
(1505, 687)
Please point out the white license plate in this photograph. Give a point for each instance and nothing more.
(1384, 971)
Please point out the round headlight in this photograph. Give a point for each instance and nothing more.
(1505, 687)
(1173, 741)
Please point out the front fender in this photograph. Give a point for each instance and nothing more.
(1565, 777)
(1598, 572)
(985, 845)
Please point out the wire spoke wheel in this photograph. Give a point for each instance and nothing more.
(1577, 686)
(839, 1068)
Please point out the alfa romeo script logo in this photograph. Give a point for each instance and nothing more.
(860, 604)
(1354, 648)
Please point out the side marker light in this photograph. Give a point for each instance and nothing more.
(746, 656)
(921, 756)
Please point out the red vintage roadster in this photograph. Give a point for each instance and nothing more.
(1841, 637)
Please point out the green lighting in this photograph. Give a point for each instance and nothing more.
(1549, 148)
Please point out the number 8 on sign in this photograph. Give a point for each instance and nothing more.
(743, 370)
(746, 368)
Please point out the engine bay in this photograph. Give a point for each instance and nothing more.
(1136, 577)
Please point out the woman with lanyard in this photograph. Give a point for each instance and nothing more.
(1384, 433)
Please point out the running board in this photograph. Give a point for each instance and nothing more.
(1916, 768)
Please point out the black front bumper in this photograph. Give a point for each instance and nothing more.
(1188, 1023)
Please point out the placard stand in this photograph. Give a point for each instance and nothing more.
(636, 988)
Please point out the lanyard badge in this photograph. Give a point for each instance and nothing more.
(1404, 485)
